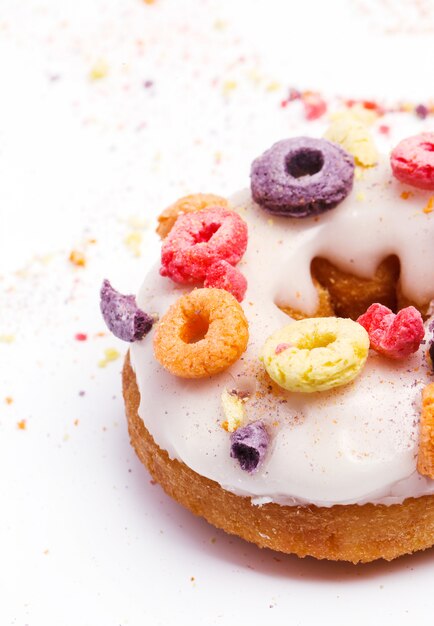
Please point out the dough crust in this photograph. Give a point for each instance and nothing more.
(340, 533)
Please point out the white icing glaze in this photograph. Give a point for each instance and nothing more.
(354, 444)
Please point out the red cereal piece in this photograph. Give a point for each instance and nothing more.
(314, 106)
(198, 240)
(412, 161)
(222, 275)
(395, 336)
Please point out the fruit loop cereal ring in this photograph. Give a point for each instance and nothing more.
(301, 177)
(412, 161)
(316, 354)
(395, 336)
(222, 275)
(203, 333)
(198, 240)
(187, 204)
(425, 458)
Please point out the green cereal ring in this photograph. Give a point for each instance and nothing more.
(316, 354)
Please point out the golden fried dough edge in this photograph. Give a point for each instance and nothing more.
(354, 533)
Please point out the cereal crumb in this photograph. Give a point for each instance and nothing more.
(77, 258)
(405, 195)
(111, 354)
(133, 242)
(7, 338)
(429, 207)
(99, 70)
(22, 425)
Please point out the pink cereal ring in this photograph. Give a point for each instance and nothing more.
(222, 275)
(198, 240)
(395, 336)
(412, 161)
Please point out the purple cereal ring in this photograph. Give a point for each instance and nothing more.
(302, 176)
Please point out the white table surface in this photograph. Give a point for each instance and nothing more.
(85, 538)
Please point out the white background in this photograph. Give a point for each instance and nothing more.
(85, 538)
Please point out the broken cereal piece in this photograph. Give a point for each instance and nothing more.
(249, 445)
(122, 315)
(233, 409)
(425, 459)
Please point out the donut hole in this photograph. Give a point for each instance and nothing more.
(428, 146)
(316, 340)
(343, 294)
(206, 232)
(195, 327)
(306, 162)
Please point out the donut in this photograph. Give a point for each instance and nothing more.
(302, 176)
(412, 161)
(335, 471)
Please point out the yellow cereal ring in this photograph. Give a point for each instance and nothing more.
(187, 204)
(355, 138)
(203, 333)
(425, 458)
(316, 354)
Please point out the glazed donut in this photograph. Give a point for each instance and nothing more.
(339, 471)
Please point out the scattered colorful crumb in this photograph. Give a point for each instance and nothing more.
(7, 338)
(314, 105)
(133, 242)
(22, 424)
(429, 207)
(364, 108)
(99, 70)
(228, 87)
(9, 399)
(77, 258)
(81, 393)
(76, 422)
(383, 129)
(80, 337)
(111, 354)
(405, 195)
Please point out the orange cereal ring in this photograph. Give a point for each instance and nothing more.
(425, 458)
(202, 334)
(187, 204)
